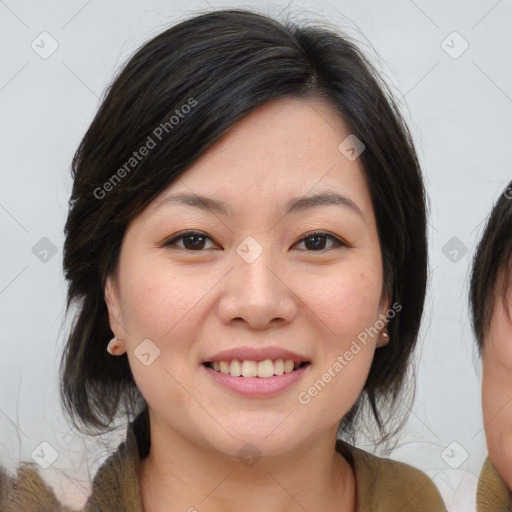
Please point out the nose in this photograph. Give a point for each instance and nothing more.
(258, 293)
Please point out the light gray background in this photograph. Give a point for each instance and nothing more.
(459, 111)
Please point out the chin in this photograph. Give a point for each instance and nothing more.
(253, 443)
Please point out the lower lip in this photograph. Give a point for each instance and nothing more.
(256, 386)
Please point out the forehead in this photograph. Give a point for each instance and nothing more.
(283, 150)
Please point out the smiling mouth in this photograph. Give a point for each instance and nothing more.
(253, 369)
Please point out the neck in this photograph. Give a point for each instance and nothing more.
(180, 475)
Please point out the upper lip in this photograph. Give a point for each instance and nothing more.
(256, 354)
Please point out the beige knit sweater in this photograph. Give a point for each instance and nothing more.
(492, 494)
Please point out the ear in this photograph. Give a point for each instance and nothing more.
(114, 307)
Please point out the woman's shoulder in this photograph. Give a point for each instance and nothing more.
(492, 494)
(115, 485)
(26, 491)
(385, 485)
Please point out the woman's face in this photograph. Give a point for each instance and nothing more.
(497, 385)
(255, 281)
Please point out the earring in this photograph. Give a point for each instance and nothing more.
(384, 336)
(114, 346)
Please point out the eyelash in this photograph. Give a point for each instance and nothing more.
(338, 243)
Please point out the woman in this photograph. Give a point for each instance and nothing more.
(491, 300)
(247, 227)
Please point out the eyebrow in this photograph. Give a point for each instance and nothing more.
(294, 205)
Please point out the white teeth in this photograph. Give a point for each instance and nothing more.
(249, 369)
(288, 366)
(279, 367)
(262, 369)
(266, 369)
(236, 368)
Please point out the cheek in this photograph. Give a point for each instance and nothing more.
(156, 298)
(349, 302)
(348, 306)
(158, 306)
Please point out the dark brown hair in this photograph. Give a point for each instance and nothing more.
(491, 266)
(229, 62)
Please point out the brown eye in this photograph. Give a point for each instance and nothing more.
(316, 241)
(192, 241)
